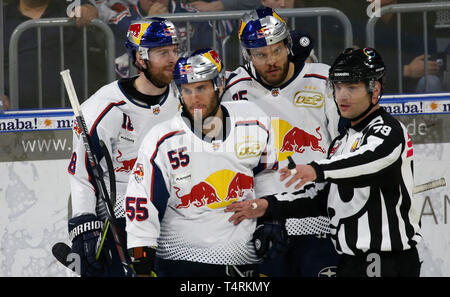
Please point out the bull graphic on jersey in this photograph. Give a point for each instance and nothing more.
(127, 165)
(297, 139)
(200, 195)
(238, 184)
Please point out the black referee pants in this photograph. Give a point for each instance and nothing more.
(380, 264)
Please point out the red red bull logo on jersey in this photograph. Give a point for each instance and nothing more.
(297, 140)
(218, 190)
(238, 185)
(200, 195)
(125, 165)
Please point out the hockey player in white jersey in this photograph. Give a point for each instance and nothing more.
(120, 114)
(304, 118)
(189, 169)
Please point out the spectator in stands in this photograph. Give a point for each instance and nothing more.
(412, 64)
(276, 4)
(412, 51)
(219, 5)
(85, 13)
(19, 11)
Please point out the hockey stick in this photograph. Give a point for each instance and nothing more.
(97, 172)
(429, 186)
(112, 187)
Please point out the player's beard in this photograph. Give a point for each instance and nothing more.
(275, 80)
(210, 110)
(158, 76)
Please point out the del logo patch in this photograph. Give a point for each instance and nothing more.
(306, 98)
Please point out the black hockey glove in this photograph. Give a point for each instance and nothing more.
(270, 238)
(84, 231)
(143, 260)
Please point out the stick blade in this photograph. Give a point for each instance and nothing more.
(60, 251)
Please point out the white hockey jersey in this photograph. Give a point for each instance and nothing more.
(181, 184)
(304, 119)
(121, 122)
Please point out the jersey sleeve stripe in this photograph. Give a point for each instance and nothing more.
(315, 76)
(103, 113)
(238, 80)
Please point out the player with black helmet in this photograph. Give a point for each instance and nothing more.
(369, 179)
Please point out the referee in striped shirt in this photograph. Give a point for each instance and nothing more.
(368, 175)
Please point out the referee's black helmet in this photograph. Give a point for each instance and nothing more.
(357, 65)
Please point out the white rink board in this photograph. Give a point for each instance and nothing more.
(34, 209)
(34, 194)
(432, 161)
(33, 215)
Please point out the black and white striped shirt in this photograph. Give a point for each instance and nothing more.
(368, 195)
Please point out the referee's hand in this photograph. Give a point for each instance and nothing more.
(248, 209)
(304, 173)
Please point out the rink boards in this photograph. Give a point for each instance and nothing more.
(35, 147)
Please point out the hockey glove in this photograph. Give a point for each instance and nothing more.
(143, 260)
(84, 231)
(270, 238)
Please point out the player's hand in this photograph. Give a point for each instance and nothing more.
(85, 230)
(248, 209)
(157, 8)
(84, 14)
(207, 6)
(416, 68)
(5, 103)
(304, 173)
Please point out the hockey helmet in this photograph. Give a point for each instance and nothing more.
(357, 65)
(150, 33)
(200, 65)
(262, 27)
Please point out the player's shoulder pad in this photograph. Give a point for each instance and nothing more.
(108, 94)
(319, 68)
(245, 109)
(160, 132)
(234, 77)
(100, 107)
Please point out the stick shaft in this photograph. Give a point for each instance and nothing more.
(96, 169)
(430, 185)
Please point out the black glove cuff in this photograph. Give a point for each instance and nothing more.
(319, 172)
(271, 208)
